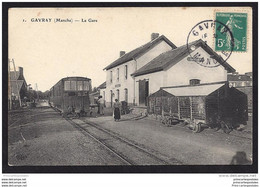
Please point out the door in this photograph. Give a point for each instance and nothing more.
(143, 92)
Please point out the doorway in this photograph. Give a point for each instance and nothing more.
(143, 92)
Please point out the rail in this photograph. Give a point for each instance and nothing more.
(124, 141)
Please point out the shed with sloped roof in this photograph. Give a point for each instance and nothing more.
(206, 103)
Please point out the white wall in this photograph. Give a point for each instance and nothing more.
(130, 82)
(180, 74)
(183, 71)
(122, 83)
(154, 52)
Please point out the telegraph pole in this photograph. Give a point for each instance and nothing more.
(18, 93)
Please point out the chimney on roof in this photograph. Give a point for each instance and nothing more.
(154, 36)
(122, 53)
(20, 71)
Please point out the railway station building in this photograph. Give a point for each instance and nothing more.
(159, 63)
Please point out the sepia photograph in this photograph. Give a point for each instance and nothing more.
(130, 88)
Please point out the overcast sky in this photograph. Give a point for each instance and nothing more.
(49, 51)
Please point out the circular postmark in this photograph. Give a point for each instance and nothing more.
(208, 35)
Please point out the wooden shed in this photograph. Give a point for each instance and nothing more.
(202, 103)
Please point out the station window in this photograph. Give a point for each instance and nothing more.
(80, 85)
(125, 71)
(111, 76)
(117, 74)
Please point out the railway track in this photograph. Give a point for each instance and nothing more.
(128, 152)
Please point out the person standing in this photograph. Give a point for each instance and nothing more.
(98, 105)
(116, 107)
(101, 102)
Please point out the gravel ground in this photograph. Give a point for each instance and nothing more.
(178, 142)
(43, 138)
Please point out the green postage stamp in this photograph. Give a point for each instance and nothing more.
(237, 24)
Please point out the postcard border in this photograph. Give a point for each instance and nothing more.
(125, 169)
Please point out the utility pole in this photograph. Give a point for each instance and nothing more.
(17, 86)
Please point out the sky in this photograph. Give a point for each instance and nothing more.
(50, 51)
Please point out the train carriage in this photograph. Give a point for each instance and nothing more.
(208, 104)
(71, 93)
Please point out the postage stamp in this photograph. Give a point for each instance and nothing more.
(237, 24)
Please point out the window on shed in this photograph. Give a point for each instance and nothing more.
(80, 85)
(73, 85)
(67, 85)
(126, 72)
(86, 85)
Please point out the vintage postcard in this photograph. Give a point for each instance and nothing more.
(128, 87)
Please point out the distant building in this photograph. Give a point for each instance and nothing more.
(18, 86)
(102, 90)
(240, 80)
(243, 82)
(99, 91)
(159, 63)
(250, 74)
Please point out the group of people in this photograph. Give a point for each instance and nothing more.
(116, 108)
